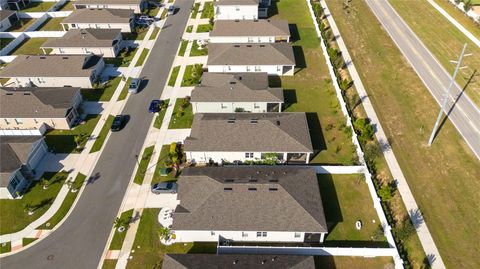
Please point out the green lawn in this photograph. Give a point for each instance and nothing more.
(160, 164)
(5, 247)
(195, 8)
(196, 51)
(192, 75)
(109, 264)
(62, 141)
(21, 25)
(204, 28)
(66, 205)
(432, 28)
(142, 58)
(154, 33)
(123, 94)
(207, 12)
(103, 94)
(310, 90)
(152, 11)
(148, 249)
(189, 29)
(14, 218)
(52, 24)
(183, 47)
(26, 241)
(67, 7)
(143, 166)
(159, 119)
(123, 59)
(183, 121)
(38, 7)
(446, 171)
(100, 139)
(119, 237)
(341, 195)
(173, 76)
(5, 41)
(29, 46)
(164, 14)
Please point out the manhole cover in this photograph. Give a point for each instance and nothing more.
(50, 257)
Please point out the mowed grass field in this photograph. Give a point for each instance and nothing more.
(443, 178)
(444, 41)
(459, 16)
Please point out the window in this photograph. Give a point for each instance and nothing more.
(244, 234)
(237, 9)
(297, 235)
(212, 233)
(7, 122)
(261, 234)
(264, 234)
(62, 51)
(258, 69)
(248, 68)
(19, 121)
(255, 105)
(279, 68)
(249, 155)
(223, 106)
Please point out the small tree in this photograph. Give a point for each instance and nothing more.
(121, 222)
(386, 192)
(270, 158)
(405, 230)
(44, 182)
(164, 233)
(467, 5)
(364, 129)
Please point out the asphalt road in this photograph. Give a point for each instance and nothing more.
(80, 241)
(463, 112)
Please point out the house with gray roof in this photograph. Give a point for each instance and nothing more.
(271, 58)
(249, 204)
(7, 19)
(63, 70)
(250, 31)
(122, 19)
(20, 156)
(39, 108)
(106, 42)
(240, 9)
(237, 261)
(239, 92)
(249, 137)
(136, 5)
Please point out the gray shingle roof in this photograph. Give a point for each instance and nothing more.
(5, 13)
(14, 151)
(86, 15)
(36, 102)
(251, 28)
(237, 2)
(239, 87)
(58, 66)
(81, 38)
(242, 261)
(268, 132)
(250, 54)
(286, 198)
(118, 2)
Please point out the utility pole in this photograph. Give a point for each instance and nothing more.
(447, 95)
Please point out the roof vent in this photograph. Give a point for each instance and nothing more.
(236, 46)
(262, 46)
(252, 189)
(278, 122)
(239, 77)
(227, 189)
(273, 180)
(264, 261)
(272, 189)
(254, 121)
(249, 46)
(26, 93)
(231, 120)
(252, 180)
(233, 82)
(237, 20)
(235, 261)
(229, 180)
(9, 93)
(43, 57)
(64, 57)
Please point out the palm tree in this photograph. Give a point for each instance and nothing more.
(164, 233)
(121, 223)
(44, 182)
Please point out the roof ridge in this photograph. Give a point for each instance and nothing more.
(288, 133)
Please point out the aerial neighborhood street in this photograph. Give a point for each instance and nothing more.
(239, 133)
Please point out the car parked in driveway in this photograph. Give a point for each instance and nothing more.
(118, 123)
(134, 85)
(154, 106)
(164, 187)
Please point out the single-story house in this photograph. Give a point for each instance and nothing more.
(53, 71)
(249, 137)
(272, 58)
(32, 108)
(249, 204)
(123, 19)
(7, 19)
(238, 92)
(243, 261)
(20, 156)
(250, 31)
(106, 42)
(237, 10)
(136, 5)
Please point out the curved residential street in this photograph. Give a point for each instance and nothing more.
(80, 241)
(464, 114)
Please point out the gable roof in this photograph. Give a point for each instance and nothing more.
(36, 102)
(81, 38)
(239, 87)
(250, 54)
(250, 132)
(241, 261)
(58, 66)
(87, 15)
(106, 2)
(250, 198)
(250, 28)
(6, 13)
(237, 2)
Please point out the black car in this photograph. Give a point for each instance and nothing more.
(118, 123)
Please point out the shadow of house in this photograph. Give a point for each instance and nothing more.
(331, 205)
(294, 34)
(300, 62)
(290, 98)
(316, 134)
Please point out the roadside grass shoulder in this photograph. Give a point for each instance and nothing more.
(5, 247)
(143, 165)
(119, 237)
(142, 58)
(183, 48)
(123, 94)
(100, 139)
(195, 8)
(159, 118)
(173, 76)
(27, 240)
(181, 118)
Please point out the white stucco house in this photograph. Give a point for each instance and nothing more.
(20, 156)
(237, 10)
(249, 137)
(63, 70)
(250, 31)
(39, 108)
(271, 58)
(106, 42)
(7, 19)
(239, 92)
(136, 5)
(249, 204)
(123, 19)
